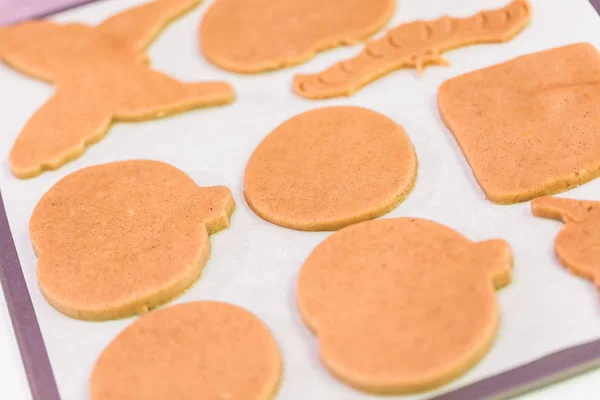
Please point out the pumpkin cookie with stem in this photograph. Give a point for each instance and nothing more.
(101, 75)
(122, 238)
(414, 45)
(402, 305)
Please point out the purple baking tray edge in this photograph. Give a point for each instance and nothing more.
(25, 324)
(534, 375)
(531, 376)
(43, 9)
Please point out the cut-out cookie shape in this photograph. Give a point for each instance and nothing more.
(414, 45)
(528, 127)
(576, 244)
(121, 238)
(201, 350)
(101, 75)
(402, 305)
(259, 35)
(330, 167)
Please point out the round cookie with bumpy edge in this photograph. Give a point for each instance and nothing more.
(253, 36)
(330, 167)
(122, 238)
(402, 305)
(209, 350)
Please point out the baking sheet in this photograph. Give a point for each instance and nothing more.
(12, 11)
(254, 264)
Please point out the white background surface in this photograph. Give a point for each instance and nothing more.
(254, 264)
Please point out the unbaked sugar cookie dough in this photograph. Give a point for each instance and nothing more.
(402, 305)
(202, 350)
(576, 245)
(330, 167)
(259, 35)
(121, 238)
(101, 75)
(528, 127)
(414, 45)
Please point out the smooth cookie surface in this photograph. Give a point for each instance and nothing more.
(261, 35)
(528, 127)
(330, 167)
(121, 238)
(402, 305)
(201, 350)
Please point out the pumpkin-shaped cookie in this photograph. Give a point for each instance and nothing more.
(121, 238)
(402, 305)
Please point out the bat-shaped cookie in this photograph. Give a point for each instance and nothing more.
(101, 75)
(122, 238)
(414, 45)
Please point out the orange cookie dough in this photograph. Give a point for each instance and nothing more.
(577, 243)
(259, 35)
(528, 127)
(402, 305)
(330, 167)
(121, 238)
(101, 75)
(414, 45)
(202, 350)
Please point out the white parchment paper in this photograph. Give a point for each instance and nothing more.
(255, 264)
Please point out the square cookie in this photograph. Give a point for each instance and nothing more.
(530, 126)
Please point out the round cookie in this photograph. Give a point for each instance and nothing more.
(121, 238)
(259, 35)
(201, 350)
(402, 305)
(330, 167)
